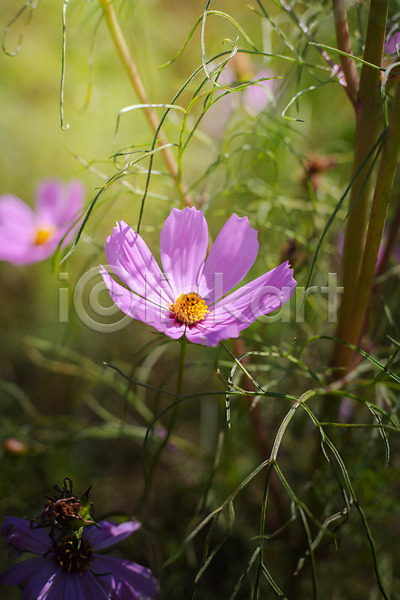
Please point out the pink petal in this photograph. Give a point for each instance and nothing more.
(241, 308)
(17, 230)
(25, 255)
(76, 194)
(157, 315)
(183, 248)
(59, 204)
(231, 256)
(210, 334)
(19, 534)
(130, 259)
(110, 533)
(261, 296)
(16, 216)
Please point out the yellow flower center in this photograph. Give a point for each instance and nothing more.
(189, 308)
(43, 234)
(73, 554)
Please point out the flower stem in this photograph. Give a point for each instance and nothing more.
(149, 471)
(368, 108)
(390, 242)
(137, 84)
(179, 381)
(383, 188)
(343, 41)
(259, 430)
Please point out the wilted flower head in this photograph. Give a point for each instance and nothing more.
(28, 236)
(188, 298)
(314, 166)
(64, 512)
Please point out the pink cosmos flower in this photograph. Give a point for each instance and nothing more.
(259, 95)
(28, 236)
(189, 297)
(69, 568)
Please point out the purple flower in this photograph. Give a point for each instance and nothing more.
(392, 44)
(189, 297)
(28, 236)
(69, 568)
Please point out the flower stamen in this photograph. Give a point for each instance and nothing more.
(73, 553)
(43, 234)
(189, 308)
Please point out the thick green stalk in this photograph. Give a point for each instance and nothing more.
(134, 77)
(380, 205)
(391, 242)
(368, 107)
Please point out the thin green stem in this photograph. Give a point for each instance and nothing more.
(137, 84)
(368, 109)
(179, 381)
(259, 431)
(303, 27)
(148, 472)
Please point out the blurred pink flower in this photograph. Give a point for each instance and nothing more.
(28, 236)
(189, 298)
(392, 44)
(260, 93)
